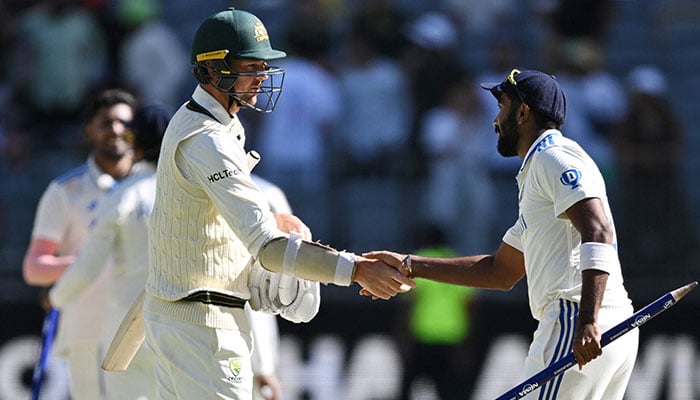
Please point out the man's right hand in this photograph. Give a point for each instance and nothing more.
(392, 259)
(380, 279)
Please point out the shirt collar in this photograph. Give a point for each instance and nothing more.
(103, 180)
(543, 141)
(231, 122)
(206, 100)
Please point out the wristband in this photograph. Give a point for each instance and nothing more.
(599, 256)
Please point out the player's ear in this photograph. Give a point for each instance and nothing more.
(524, 112)
(89, 130)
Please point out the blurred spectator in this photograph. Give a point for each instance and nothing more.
(595, 100)
(502, 55)
(19, 185)
(429, 59)
(370, 148)
(482, 17)
(294, 139)
(376, 116)
(458, 184)
(151, 56)
(649, 143)
(439, 325)
(578, 19)
(384, 21)
(60, 58)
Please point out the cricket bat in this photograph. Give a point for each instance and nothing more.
(639, 318)
(128, 338)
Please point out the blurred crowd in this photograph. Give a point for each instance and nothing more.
(381, 122)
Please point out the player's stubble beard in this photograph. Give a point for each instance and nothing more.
(115, 151)
(508, 135)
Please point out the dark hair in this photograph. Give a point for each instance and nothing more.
(108, 98)
(542, 122)
(149, 124)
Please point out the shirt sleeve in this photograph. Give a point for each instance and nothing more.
(52, 214)
(275, 196)
(92, 257)
(217, 164)
(513, 236)
(565, 177)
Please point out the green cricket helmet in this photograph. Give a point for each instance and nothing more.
(236, 34)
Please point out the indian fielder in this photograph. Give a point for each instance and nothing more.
(209, 219)
(563, 241)
(120, 233)
(63, 216)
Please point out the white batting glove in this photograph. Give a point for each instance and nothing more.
(295, 299)
(260, 290)
(303, 300)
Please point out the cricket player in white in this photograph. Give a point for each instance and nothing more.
(120, 231)
(63, 216)
(563, 241)
(263, 325)
(209, 218)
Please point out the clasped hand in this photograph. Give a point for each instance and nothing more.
(381, 274)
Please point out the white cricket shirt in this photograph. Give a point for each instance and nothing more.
(208, 217)
(64, 214)
(120, 230)
(555, 174)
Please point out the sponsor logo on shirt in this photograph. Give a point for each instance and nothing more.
(571, 177)
(227, 173)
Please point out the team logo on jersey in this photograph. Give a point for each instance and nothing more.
(571, 177)
(235, 365)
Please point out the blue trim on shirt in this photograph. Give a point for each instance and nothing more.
(72, 174)
(542, 144)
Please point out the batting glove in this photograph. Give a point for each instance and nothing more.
(260, 289)
(306, 301)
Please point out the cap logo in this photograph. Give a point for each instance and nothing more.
(260, 32)
(511, 77)
(212, 55)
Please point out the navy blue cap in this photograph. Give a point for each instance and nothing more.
(148, 126)
(537, 89)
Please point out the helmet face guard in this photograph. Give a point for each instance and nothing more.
(237, 35)
(221, 76)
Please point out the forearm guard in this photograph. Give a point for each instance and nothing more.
(307, 260)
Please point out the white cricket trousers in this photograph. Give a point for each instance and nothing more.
(199, 362)
(604, 378)
(138, 382)
(85, 373)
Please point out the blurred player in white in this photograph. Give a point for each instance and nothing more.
(563, 241)
(209, 218)
(264, 326)
(63, 216)
(120, 231)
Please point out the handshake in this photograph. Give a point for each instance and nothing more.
(294, 299)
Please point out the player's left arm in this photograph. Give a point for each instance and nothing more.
(597, 257)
